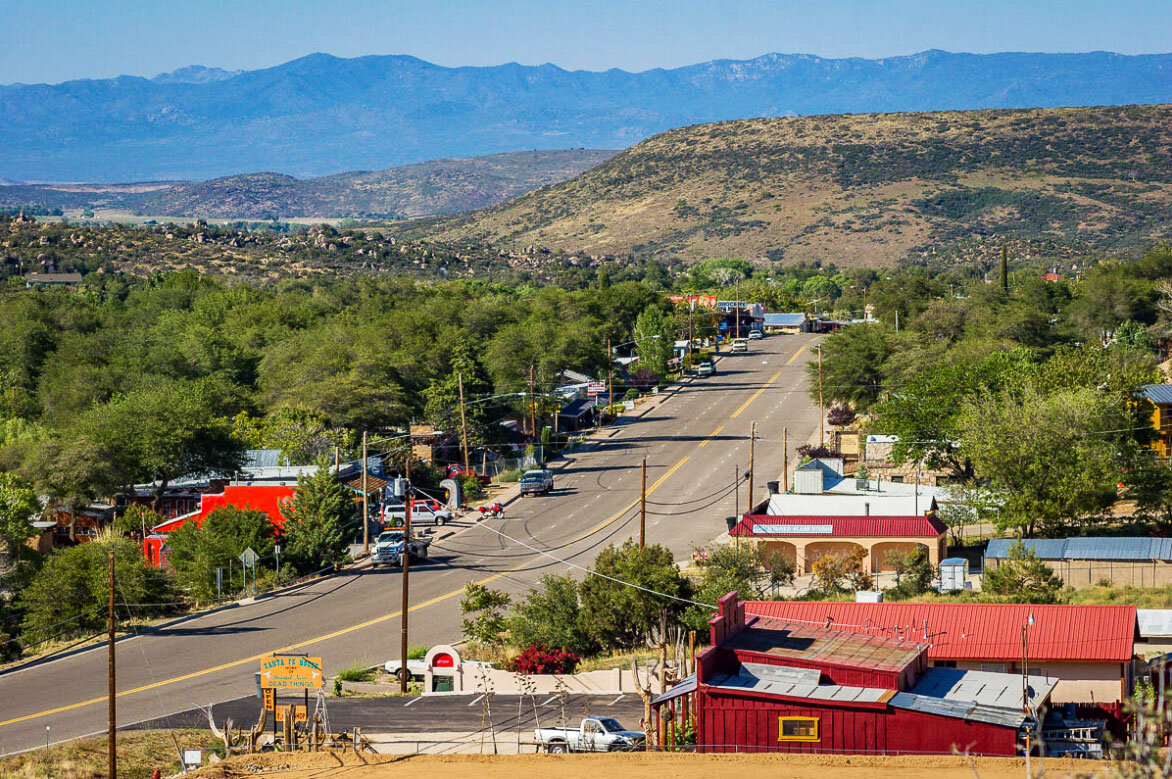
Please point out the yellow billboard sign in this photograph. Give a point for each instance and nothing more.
(291, 673)
(300, 714)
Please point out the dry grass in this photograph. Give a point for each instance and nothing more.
(637, 765)
(139, 753)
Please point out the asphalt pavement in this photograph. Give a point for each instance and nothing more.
(695, 443)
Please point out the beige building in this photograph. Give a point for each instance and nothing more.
(802, 540)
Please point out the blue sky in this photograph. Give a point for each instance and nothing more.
(55, 40)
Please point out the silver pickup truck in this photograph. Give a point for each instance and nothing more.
(388, 549)
(595, 734)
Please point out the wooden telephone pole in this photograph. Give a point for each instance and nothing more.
(365, 504)
(463, 422)
(821, 404)
(609, 377)
(111, 737)
(643, 504)
(532, 406)
(785, 459)
(404, 674)
(752, 449)
(737, 308)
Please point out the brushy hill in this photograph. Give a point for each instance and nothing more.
(435, 187)
(867, 189)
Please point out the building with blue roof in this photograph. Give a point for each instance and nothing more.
(786, 323)
(1159, 397)
(1081, 562)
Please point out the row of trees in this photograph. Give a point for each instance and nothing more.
(1026, 394)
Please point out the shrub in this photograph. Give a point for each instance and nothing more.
(840, 415)
(537, 659)
(511, 475)
(812, 451)
(644, 380)
(354, 673)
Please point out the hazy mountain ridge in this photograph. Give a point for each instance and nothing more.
(858, 190)
(321, 113)
(435, 187)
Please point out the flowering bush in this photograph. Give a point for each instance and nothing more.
(537, 659)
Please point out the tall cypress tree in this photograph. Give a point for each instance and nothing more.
(1005, 268)
(315, 521)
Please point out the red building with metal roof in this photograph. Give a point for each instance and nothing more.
(803, 540)
(771, 685)
(262, 497)
(1088, 649)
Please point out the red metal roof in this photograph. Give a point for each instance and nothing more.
(787, 640)
(762, 525)
(261, 497)
(977, 631)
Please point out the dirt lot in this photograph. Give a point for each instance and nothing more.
(320, 766)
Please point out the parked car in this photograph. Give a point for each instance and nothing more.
(756, 335)
(417, 668)
(740, 345)
(705, 368)
(534, 482)
(388, 549)
(595, 734)
(395, 514)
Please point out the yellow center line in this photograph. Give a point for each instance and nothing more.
(772, 379)
(801, 349)
(343, 631)
(711, 435)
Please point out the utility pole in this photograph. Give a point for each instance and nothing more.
(785, 459)
(404, 674)
(609, 377)
(737, 309)
(463, 422)
(111, 739)
(736, 491)
(691, 308)
(337, 460)
(821, 403)
(643, 504)
(752, 448)
(365, 506)
(532, 406)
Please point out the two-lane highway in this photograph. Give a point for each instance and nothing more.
(695, 442)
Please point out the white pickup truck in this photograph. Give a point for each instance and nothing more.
(595, 734)
(388, 549)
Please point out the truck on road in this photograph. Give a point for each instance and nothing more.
(395, 514)
(533, 482)
(388, 549)
(595, 734)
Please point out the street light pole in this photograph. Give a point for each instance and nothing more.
(404, 674)
(463, 422)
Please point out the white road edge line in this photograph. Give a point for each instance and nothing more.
(413, 700)
(616, 700)
(475, 700)
(547, 700)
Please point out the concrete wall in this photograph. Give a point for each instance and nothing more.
(1084, 573)
(478, 679)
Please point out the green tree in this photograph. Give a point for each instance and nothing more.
(548, 615)
(914, 574)
(1052, 458)
(18, 503)
(196, 551)
(68, 596)
(484, 622)
(1022, 578)
(727, 567)
(654, 339)
(315, 520)
(852, 365)
(616, 614)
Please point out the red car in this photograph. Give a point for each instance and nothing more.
(455, 471)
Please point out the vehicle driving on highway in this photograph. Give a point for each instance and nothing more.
(538, 481)
(740, 345)
(388, 549)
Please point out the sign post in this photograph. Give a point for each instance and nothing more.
(277, 551)
(248, 559)
(289, 672)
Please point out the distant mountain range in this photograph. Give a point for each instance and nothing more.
(424, 189)
(321, 114)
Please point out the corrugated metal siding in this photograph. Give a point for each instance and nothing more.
(733, 723)
(1158, 393)
(978, 631)
(840, 526)
(1136, 548)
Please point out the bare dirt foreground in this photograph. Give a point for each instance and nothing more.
(322, 766)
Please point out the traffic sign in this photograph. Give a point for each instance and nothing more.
(291, 673)
(249, 557)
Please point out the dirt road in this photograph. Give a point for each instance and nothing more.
(644, 766)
